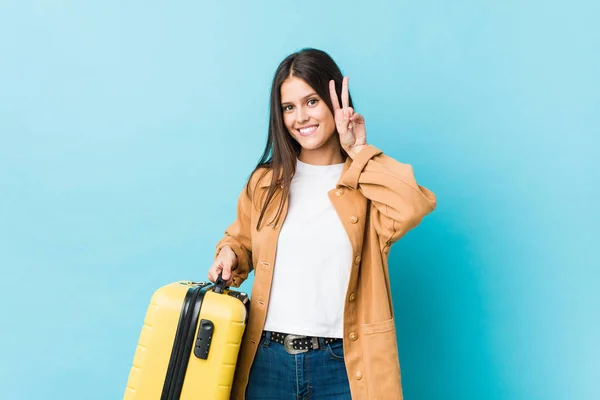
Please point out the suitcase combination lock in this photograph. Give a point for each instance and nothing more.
(205, 334)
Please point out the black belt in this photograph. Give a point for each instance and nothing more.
(295, 344)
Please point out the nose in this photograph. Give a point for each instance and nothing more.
(301, 116)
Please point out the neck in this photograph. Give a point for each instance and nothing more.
(315, 158)
(324, 155)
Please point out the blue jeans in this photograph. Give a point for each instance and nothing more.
(315, 375)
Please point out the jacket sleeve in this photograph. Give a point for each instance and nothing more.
(238, 237)
(398, 202)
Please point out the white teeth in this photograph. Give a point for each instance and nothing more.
(308, 130)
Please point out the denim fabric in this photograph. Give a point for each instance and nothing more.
(316, 374)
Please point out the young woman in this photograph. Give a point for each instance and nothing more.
(315, 223)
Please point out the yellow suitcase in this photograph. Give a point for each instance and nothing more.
(189, 343)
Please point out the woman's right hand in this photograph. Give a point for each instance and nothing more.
(225, 262)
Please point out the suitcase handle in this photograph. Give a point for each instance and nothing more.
(219, 284)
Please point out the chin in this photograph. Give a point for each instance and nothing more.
(311, 144)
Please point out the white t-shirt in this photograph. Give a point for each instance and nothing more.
(313, 259)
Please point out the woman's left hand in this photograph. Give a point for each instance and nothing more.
(350, 125)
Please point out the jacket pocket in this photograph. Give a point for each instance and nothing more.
(381, 355)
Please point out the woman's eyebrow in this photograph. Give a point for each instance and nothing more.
(305, 97)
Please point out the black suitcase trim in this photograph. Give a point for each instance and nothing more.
(184, 340)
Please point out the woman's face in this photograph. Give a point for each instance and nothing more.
(306, 115)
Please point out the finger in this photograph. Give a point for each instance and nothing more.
(213, 272)
(211, 276)
(345, 101)
(226, 272)
(350, 111)
(333, 94)
(356, 117)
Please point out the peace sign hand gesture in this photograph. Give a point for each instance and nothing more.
(350, 125)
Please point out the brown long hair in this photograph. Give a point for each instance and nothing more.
(316, 68)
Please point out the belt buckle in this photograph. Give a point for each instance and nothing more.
(289, 345)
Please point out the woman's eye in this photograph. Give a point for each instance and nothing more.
(287, 108)
(312, 102)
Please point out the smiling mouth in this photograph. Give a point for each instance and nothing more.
(308, 130)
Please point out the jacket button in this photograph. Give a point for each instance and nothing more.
(353, 336)
(358, 375)
(352, 297)
(354, 219)
(357, 259)
(339, 192)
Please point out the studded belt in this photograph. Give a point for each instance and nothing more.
(295, 344)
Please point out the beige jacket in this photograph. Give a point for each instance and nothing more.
(378, 201)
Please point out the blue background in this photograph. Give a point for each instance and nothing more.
(128, 129)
